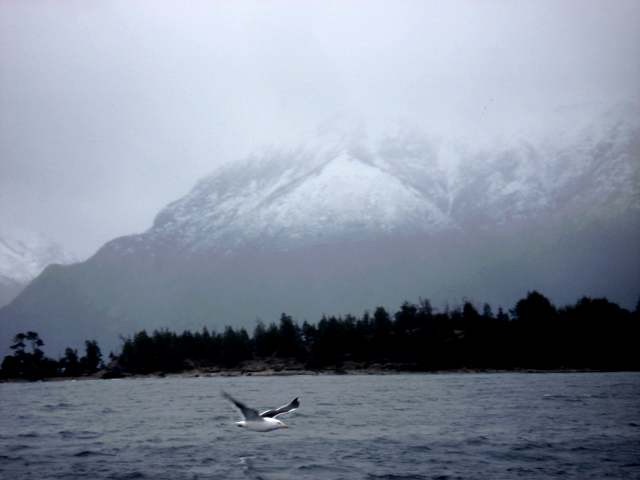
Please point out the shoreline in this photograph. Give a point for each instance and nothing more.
(212, 373)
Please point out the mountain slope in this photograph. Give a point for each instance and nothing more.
(23, 256)
(346, 226)
(342, 196)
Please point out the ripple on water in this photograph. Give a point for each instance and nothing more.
(11, 458)
(17, 447)
(479, 440)
(127, 475)
(418, 448)
(52, 407)
(477, 426)
(400, 476)
(249, 469)
(93, 453)
(532, 445)
(565, 398)
(79, 434)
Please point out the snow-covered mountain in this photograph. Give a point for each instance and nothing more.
(23, 256)
(404, 184)
(305, 198)
(344, 224)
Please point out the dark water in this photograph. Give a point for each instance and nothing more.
(485, 426)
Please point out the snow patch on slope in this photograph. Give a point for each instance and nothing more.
(23, 255)
(345, 186)
(346, 194)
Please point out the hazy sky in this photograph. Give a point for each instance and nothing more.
(109, 110)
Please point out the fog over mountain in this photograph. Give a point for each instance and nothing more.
(108, 111)
(215, 163)
(23, 256)
(345, 222)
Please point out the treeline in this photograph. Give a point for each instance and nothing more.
(29, 362)
(591, 334)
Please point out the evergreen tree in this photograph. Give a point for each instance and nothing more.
(289, 338)
(28, 360)
(92, 359)
(534, 308)
(70, 364)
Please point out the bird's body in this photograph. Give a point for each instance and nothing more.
(265, 421)
(262, 424)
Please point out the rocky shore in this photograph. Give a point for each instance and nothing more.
(280, 367)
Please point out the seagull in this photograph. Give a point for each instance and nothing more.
(265, 421)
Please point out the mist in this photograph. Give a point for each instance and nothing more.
(108, 111)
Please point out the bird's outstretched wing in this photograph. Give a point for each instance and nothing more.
(247, 412)
(289, 407)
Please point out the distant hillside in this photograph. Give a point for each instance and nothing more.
(335, 226)
(23, 256)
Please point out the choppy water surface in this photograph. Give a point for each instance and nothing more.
(584, 425)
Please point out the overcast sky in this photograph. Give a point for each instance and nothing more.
(111, 109)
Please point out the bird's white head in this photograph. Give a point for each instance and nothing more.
(281, 424)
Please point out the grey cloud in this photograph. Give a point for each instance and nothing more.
(110, 110)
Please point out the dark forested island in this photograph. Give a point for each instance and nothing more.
(592, 334)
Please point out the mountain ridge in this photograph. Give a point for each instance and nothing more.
(23, 256)
(350, 224)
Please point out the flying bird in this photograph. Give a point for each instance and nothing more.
(265, 421)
